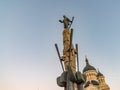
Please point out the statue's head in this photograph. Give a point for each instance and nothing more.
(64, 16)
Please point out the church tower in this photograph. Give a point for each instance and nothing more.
(90, 75)
(102, 83)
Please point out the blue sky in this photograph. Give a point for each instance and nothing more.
(30, 28)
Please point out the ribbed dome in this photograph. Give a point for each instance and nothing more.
(88, 66)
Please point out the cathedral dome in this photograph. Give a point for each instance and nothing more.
(88, 67)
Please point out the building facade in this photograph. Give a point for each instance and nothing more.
(94, 80)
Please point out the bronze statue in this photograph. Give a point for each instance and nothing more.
(66, 21)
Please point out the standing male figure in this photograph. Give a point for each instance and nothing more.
(66, 21)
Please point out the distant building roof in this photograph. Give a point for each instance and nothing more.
(88, 66)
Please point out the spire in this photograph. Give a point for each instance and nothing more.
(99, 73)
(87, 62)
(98, 70)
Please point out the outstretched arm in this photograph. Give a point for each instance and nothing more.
(61, 21)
